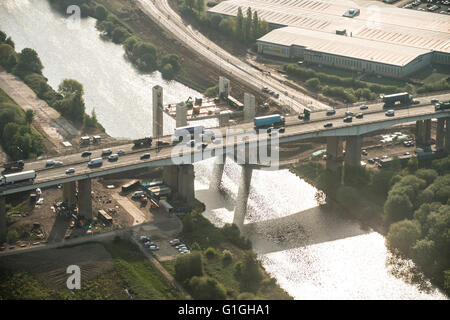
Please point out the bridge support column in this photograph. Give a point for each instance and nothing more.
(69, 190)
(242, 198)
(427, 133)
(217, 172)
(157, 111)
(85, 198)
(224, 87)
(440, 134)
(335, 150)
(423, 132)
(3, 228)
(353, 151)
(181, 179)
(249, 107)
(447, 135)
(224, 119)
(181, 115)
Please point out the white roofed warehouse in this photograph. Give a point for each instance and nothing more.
(379, 39)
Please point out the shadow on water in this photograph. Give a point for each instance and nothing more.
(305, 228)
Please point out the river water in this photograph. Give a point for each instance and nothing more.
(312, 254)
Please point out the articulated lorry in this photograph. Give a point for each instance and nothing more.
(13, 166)
(306, 114)
(144, 142)
(274, 120)
(442, 106)
(397, 99)
(17, 177)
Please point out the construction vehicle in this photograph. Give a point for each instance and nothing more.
(144, 142)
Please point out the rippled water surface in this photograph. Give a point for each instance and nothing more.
(312, 254)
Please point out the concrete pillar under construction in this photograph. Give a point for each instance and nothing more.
(157, 111)
(85, 198)
(3, 227)
(335, 152)
(240, 209)
(224, 87)
(427, 132)
(249, 107)
(447, 135)
(181, 116)
(419, 133)
(353, 151)
(440, 134)
(217, 173)
(224, 119)
(69, 190)
(170, 177)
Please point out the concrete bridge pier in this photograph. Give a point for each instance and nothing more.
(423, 132)
(335, 152)
(224, 119)
(440, 134)
(353, 151)
(69, 190)
(249, 107)
(85, 198)
(3, 227)
(157, 128)
(181, 179)
(217, 172)
(242, 198)
(447, 135)
(181, 115)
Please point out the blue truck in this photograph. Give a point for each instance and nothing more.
(274, 120)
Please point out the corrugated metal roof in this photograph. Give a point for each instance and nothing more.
(378, 23)
(343, 45)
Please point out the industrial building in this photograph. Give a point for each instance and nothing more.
(380, 39)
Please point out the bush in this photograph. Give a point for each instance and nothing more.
(212, 92)
(12, 236)
(246, 296)
(100, 12)
(227, 257)
(120, 34)
(206, 288)
(249, 272)
(398, 207)
(403, 235)
(313, 83)
(210, 253)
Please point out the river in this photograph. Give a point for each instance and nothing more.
(311, 253)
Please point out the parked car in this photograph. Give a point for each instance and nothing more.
(144, 239)
(58, 163)
(85, 154)
(174, 242)
(415, 101)
(145, 156)
(70, 171)
(433, 101)
(328, 125)
(371, 161)
(49, 163)
(364, 152)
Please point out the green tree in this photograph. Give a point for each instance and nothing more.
(403, 235)
(255, 25)
(120, 34)
(5, 52)
(130, 43)
(28, 62)
(200, 5)
(188, 266)
(313, 83)
(206, 288)
(2, 37)
(423, 253)
(69, 87)
(248, 271)
(100, 12)
(190, 3)
(413, 165)
(398, 207)
(29, 114)
(429, 175)
(239, 30)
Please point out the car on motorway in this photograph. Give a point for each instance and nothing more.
(106, 152)
(120, 152)
(49, 163)
(433, 101)
(162, 143)
(85, 154)
(202, 146)
(359, 116)
(113, 157)
(281, 130)
(328, 125)
(390, 113)
(58, 164)
(364, 152)
(364, 107)
(70, 171)
(330, 112)
(349, 113)
(97, 162)
(348, 119)
(415, 101)
(145, 156)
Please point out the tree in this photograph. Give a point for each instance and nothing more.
(423, 253)
(2, 37)
(200, 5)
(206, 288)
(313, 83)
(413, 165)
(70, 86)
(239, 31)
(28, 62)
(398, 207)
(130, 43)
(403, 235)
(120, 34)
(381, 181)
(249, 271)
(255, 25)
(100, 12)
(29, 114)
(248, 25)
(429, 175)
(215, 20)
(5, 52)
(188, 266)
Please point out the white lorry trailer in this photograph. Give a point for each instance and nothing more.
(17, 177)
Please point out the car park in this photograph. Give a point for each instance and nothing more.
(363, 107)
(348, 119)
(359, 116)
(113, 157)
(106, 152)
(331, 112)
(86, 154)
(70, 171)
(390, 113)
(145, 156)
(328, 125)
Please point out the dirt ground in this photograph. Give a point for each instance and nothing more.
(49, 266)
